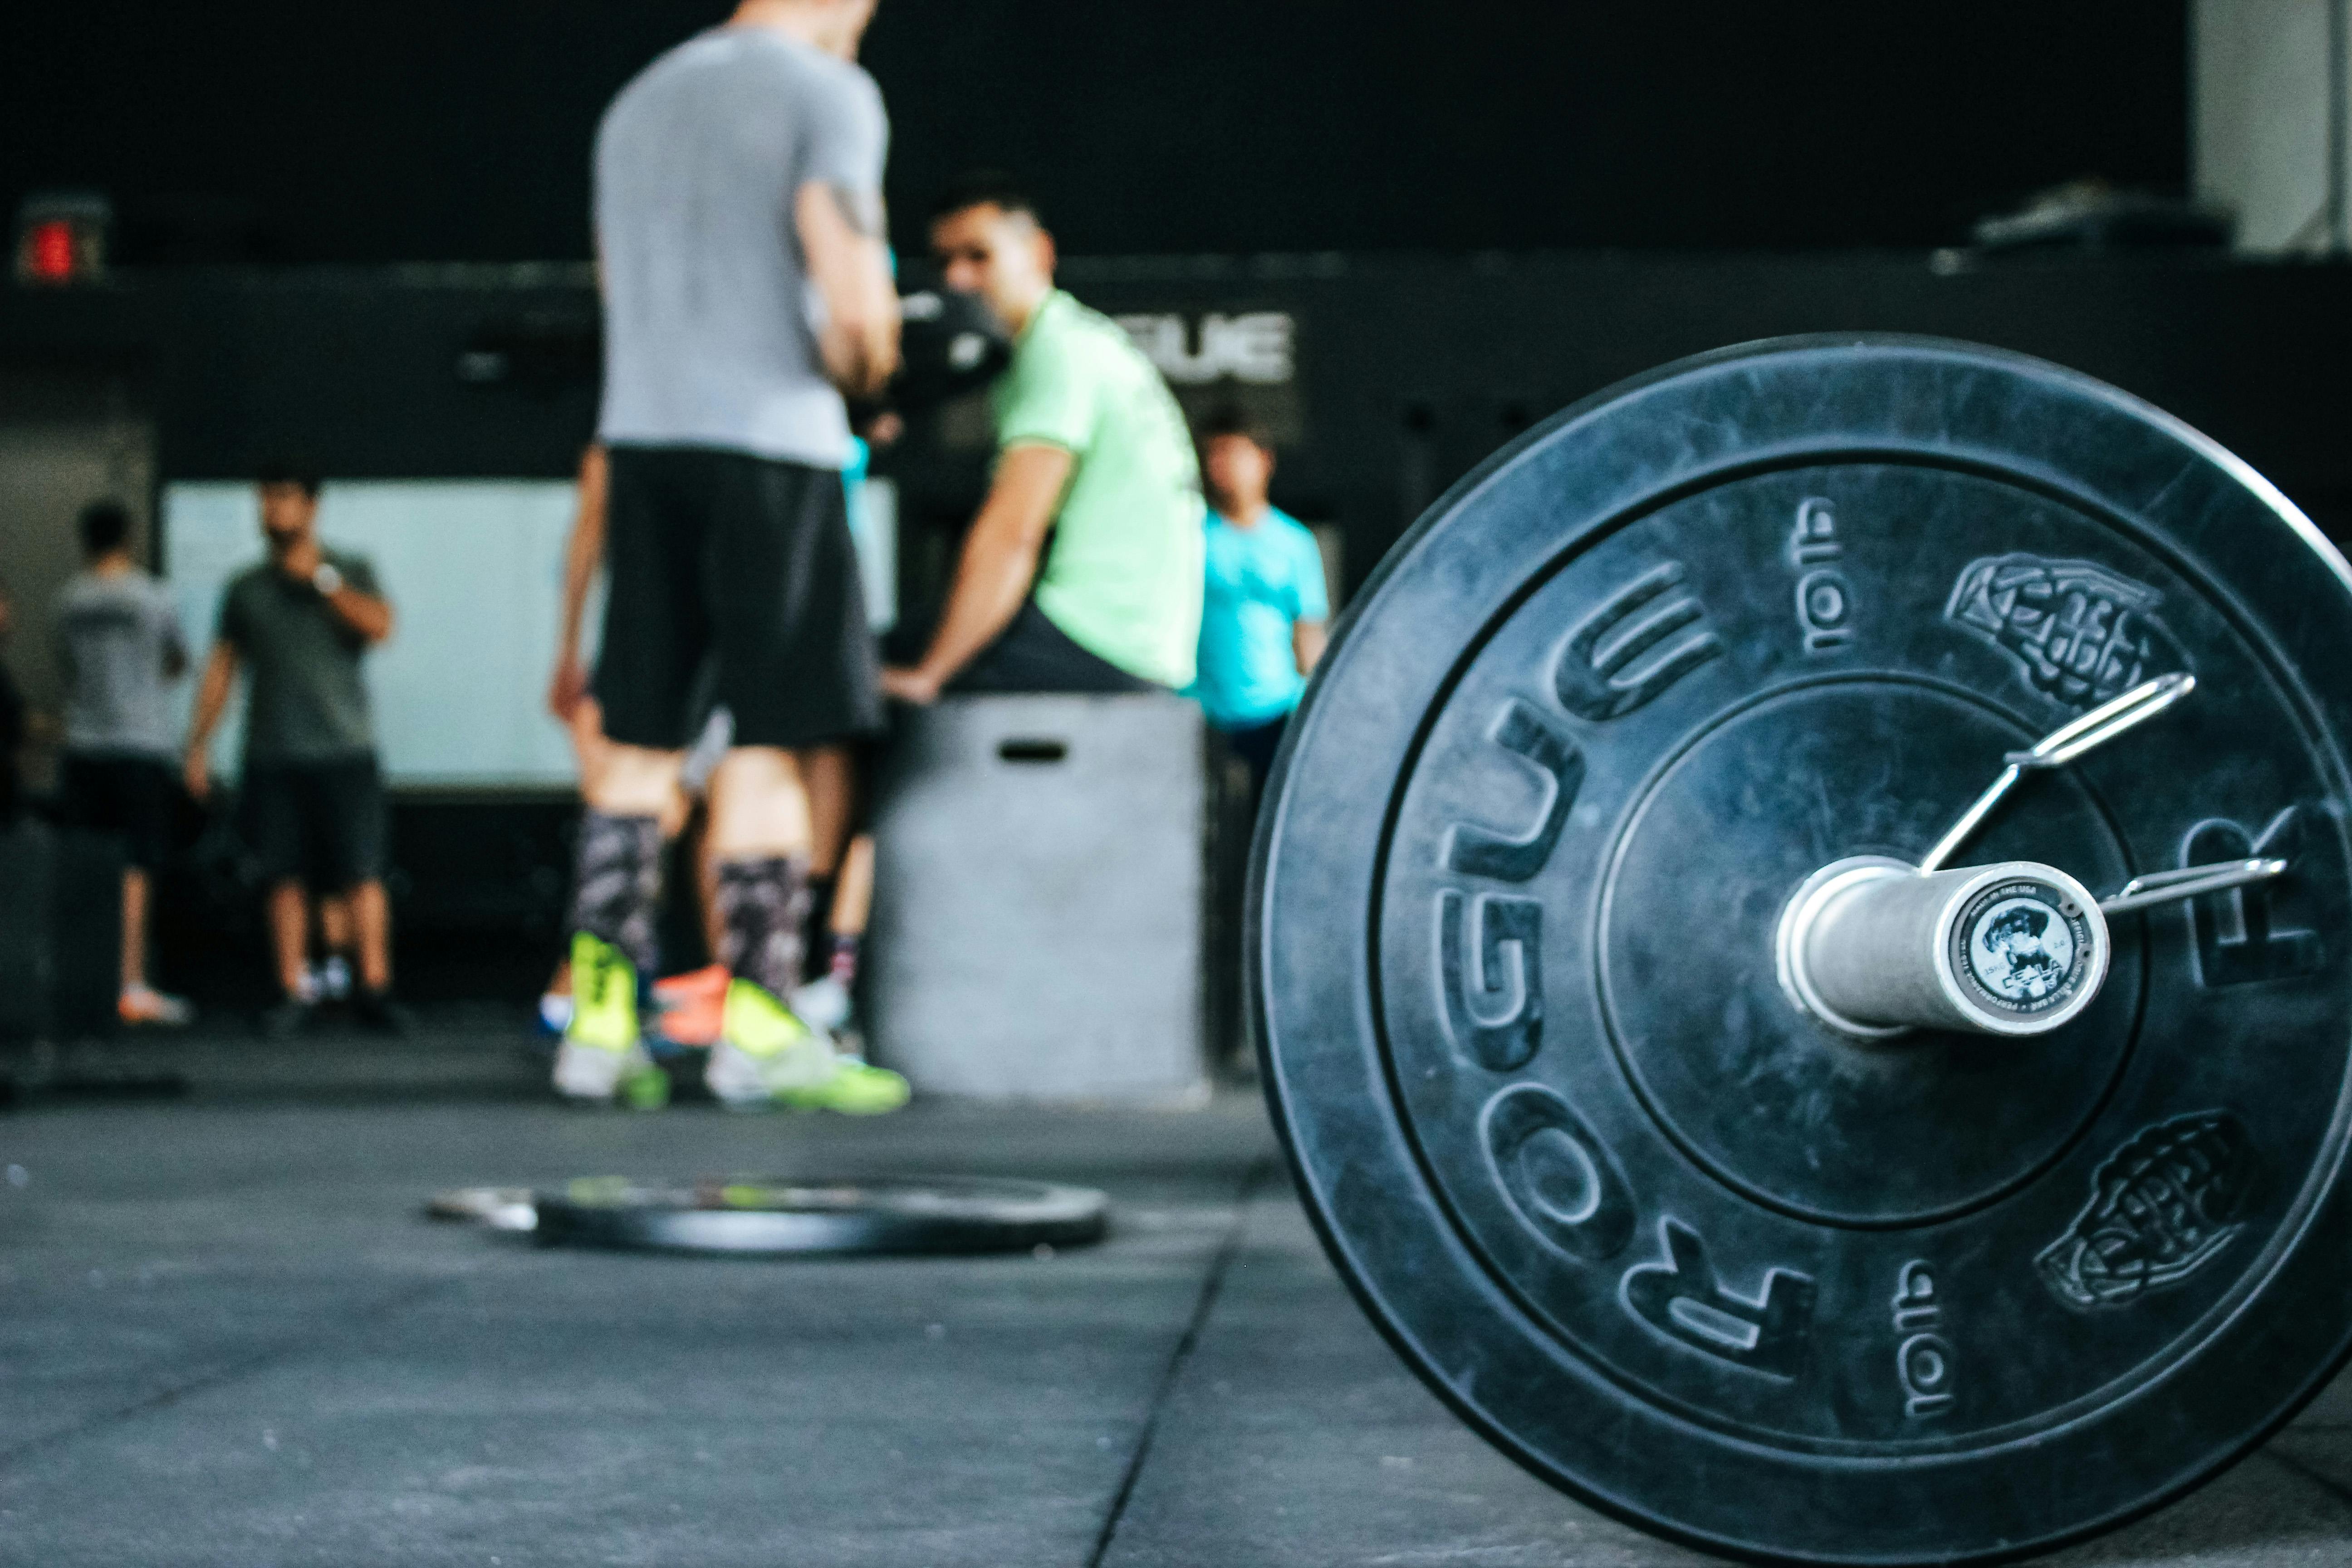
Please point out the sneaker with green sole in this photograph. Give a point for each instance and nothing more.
(767, 1057)
(601, 1055)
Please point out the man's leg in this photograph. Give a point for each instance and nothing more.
(289, 936)
(852, 904)
(354, 916)
(655, 636)
(760, 841)
(338, 944)
(271, 801)
(797, 670)
(830, 775)
(822, 996)
(615, 899)
(621, 835)
(759, 832)
(838, 932)
(370, 914)
(134, 930)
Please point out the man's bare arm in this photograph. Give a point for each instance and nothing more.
(840, 238)
(1000, 562)
(1307, 642)
(583, 554)
(212, 701)
(366, 614)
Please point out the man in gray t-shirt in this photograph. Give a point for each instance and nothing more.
(711, 333)
(310, 793)
(119, 649)
(747, 287)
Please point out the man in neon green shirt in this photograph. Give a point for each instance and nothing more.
(1092, 451)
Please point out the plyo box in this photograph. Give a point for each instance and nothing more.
(1038, 900)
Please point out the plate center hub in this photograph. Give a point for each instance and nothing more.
(1856, 778)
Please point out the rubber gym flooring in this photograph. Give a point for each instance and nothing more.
(226, 1336)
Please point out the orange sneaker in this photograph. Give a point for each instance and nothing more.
(689, 1008)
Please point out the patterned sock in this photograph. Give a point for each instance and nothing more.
(762, 905)
(815, 932)
(844, 967)
(619, 888)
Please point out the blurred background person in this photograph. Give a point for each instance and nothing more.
(1264, 604)
(312, 790)
(1082, 571)
(120, 651)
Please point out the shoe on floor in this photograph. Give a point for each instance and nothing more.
(691, 1008)
(822, 1003)
(767, 1056)
(601, 1055)
(145, 1005)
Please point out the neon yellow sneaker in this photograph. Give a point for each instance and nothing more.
(601, 1055)
(767, 1057)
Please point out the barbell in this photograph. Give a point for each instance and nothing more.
(1829, 1038)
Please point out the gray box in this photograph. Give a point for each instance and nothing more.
(1038, 900)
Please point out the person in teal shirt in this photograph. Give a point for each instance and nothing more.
(1264, 606)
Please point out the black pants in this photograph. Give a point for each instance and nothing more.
(739, 570)
(1033, 654)
(128, 797)
(319, 821)
(1256, 747)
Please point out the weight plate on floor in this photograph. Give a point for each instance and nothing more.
(773, 1216)
(497, 1208)
(1676, 1247)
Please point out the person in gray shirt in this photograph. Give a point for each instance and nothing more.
(747, 287)
(119, 649)
(311, 795)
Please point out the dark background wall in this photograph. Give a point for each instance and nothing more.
(457, 130)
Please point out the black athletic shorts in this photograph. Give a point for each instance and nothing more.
(744, 563)
(130, 797)
(1033, 654)
(319, 823)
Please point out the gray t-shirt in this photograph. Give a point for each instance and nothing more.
(708, 307)
(307, 702)
(119, 647)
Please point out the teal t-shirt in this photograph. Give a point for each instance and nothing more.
(1260, 582)
(1122, 575)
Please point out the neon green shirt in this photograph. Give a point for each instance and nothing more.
(1123, 572)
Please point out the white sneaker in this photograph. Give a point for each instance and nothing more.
(822, 1003)
(145, 1005)
(735, 1077)
(584, 1072)
(601, 1054)
(764, 1049)
(767, 1058)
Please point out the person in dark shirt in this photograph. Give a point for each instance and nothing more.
(298, 624)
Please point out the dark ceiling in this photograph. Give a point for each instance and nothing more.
(440, 130)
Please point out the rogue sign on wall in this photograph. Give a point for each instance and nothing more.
(1254, 349)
